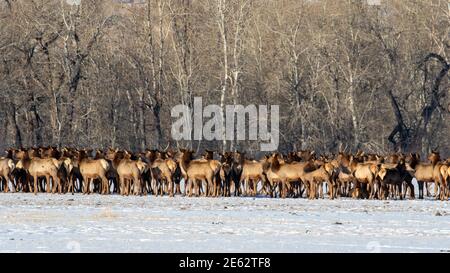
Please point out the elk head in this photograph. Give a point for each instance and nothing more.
(208, 154)
(434, 157)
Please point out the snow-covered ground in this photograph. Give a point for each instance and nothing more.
(94, 223)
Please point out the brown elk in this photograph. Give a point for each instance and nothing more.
(426, 172)
(343, 177)
(131, 171)
(195, 171)
(216, 187)
(365, 174)
(6, 168)
(128, 170)
(92, 169)
(286, 173)
(306, 155)
(315, 179)
(445, 174)
(176, 176)
(251, 172)
(162, 171)
(45, 167)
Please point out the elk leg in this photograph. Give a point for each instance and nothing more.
(427, 187)
(70, 185)
(330, 187)
(411, 190)
(420, 183)
(39, 184)
(187, 188)
(320, 188)
(171, 185)
(35, 179)
(54, 185)
(5, 184)
(196, 187)
(209, 180)
(135, 187)
(83, 185)
(162, 183)
(48, 185)
(313, 186)
(283, 189)
(105, 184)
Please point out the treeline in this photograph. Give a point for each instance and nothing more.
(345, 73)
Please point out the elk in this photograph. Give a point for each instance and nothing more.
(44, 167)
(130, 170)
(395, 177)
(176, 176)
(6, 168)
(364, 173)
(284, 173)
(315, 179)
(216, 187)
(343, 176)
(226, 161)
(445, 174)
(162, 169)
(251, 172)
(65, 167)
(20, 172)
(92, 169)
(426, 172)
(195, 171)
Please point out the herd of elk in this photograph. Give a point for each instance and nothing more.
(296, 174)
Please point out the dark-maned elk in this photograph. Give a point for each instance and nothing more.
(226, 160)
(394, 178)
(20, 172)
(306, 155)
(65, 167)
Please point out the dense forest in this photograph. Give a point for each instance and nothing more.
(354, 74)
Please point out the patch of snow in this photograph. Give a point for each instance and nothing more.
(95, 223)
